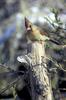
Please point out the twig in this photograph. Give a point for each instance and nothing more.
(9, 85)
(59, 47)
(54, 24)
(56, 64)
(5, 66)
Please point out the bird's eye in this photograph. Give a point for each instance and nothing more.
(30, 26)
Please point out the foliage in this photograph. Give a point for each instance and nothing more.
(59, 34)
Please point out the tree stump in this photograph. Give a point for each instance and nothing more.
(40, 78)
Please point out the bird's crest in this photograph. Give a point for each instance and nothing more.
(27, 24)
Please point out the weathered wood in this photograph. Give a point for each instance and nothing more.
(40, 81)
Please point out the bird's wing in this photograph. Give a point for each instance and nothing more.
(46, 38)
(40, 37)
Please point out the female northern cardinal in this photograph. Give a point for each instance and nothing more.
(35, 34)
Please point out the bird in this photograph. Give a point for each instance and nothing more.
(34, 33)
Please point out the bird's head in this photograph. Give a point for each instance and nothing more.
(31, 27)
(28, 24)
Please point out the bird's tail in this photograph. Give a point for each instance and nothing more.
(54, 41)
